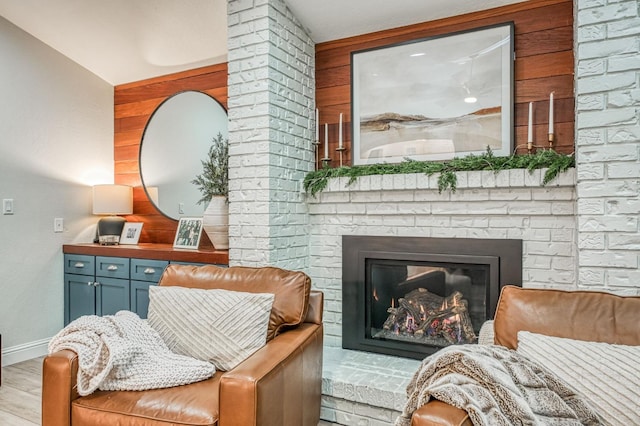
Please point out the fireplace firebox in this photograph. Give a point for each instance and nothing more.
(410, 296)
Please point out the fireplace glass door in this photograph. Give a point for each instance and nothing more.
(436, 304)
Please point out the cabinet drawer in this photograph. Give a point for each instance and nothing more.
(147, 270)
(79, 264)
(112, 267)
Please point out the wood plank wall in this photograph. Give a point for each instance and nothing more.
(544, 63)
(133, 105)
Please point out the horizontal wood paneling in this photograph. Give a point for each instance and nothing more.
(544, 63)
(133, 105)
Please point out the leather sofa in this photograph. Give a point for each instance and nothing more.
(580, 315)
(280, 384)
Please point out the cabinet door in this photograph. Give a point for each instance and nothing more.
(79, 297)
(140, 297)
(112, 295)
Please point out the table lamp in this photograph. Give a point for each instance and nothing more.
(111, 200)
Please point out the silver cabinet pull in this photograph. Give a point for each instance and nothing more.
(79, 265)
(96, 284)
(149, 271)
(112, 268)
(90, 283)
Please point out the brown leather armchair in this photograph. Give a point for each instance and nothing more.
(280, 384)
(581, 315)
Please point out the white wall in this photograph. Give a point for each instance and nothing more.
(608, 142)
(57, 140)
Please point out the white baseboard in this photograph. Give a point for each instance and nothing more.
(24, 352)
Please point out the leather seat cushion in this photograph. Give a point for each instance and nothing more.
(193, 404)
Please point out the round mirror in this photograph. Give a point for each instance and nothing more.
(175, 141)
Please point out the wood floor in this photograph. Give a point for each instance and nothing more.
(20, 393)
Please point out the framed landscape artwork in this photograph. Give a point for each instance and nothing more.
(434, 99)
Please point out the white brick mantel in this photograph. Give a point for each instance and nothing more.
(511, 204)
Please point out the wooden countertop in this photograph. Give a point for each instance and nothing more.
(150, 251)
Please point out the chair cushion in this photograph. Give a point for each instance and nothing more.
(220, 326)
(291, 288)
(195, 404)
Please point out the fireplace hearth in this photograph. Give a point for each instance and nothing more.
(410, 296)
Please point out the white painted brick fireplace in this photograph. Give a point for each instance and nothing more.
(581, 231)
(509, 205)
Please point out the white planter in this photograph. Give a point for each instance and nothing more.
(215, 222)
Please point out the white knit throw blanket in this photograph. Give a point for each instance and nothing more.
(122, 352)
(496, 386)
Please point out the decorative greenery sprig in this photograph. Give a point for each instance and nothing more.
(214, 180)
(556, 163)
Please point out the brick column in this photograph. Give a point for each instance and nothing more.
(608, 143)
(271, 121)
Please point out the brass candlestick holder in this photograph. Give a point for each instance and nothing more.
(341, 149)
(529, 146)
(551, 140)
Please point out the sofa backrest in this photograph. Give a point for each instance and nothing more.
(580, 315)
(290, 288)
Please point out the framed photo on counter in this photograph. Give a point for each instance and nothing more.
(188, 233)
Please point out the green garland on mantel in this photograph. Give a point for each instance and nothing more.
(556, 163)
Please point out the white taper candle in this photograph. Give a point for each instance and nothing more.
(340, 132)
(326, 140)
(551, 113)
(530, 128)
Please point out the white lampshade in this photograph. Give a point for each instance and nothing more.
(112, 199)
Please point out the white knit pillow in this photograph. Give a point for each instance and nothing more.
(606, 376)
(220, 326)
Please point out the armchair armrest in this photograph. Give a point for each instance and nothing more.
(59, 388)
(279, 384)
(438, 413)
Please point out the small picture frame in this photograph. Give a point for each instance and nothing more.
(131, 233)
(188, 233)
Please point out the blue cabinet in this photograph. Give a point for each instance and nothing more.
(95, 285)
(102, 280)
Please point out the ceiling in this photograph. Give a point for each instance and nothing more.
(129, 40)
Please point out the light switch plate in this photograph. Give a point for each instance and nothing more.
(7, 206)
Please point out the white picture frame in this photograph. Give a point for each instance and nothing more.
(131, 233)
(188, 233)
(434, 99)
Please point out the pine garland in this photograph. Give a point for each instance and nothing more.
(555, 163)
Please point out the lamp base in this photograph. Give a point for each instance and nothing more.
(109, 229)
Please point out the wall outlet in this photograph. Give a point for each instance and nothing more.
(7, 206)
(58, 224)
